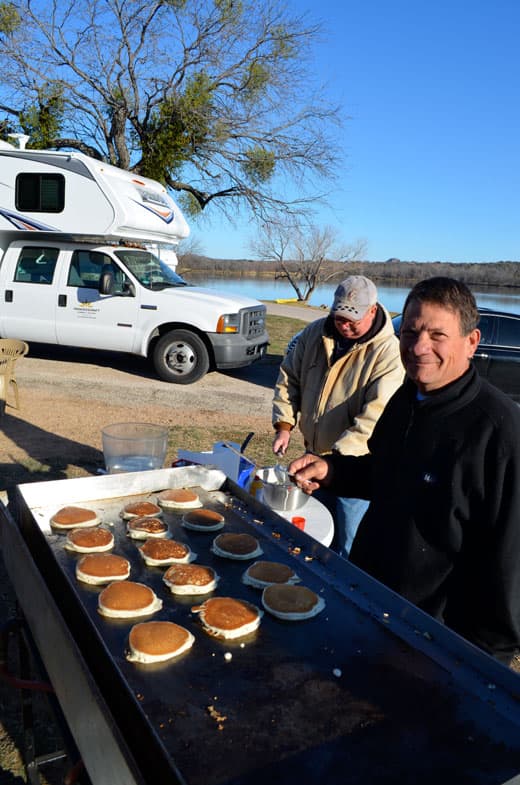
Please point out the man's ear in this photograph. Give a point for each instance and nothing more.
(474, 340)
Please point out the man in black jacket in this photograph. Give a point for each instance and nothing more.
(443, 478)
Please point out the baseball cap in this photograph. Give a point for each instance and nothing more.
(353, 297)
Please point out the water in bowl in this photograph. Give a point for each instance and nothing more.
(134, 463)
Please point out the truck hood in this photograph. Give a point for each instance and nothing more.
(200, 297)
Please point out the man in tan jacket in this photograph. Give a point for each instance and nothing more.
(335, 383)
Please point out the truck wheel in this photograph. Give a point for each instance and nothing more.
(180, 357)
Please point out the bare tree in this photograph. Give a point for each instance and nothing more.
(303, 254)
(215, 98)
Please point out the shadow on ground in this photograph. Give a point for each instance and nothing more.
(119, 361)
(49, 456)
(263, 372)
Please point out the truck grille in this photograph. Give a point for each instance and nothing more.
(253, 321)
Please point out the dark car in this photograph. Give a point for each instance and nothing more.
(498, 354)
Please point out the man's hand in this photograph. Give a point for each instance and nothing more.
(281, 442)
(309, 472)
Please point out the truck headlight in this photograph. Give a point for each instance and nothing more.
(229, 323)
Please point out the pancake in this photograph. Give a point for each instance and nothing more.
(89, 540)
(142, 528)
(98, 568)
(178, 498)
(157, 641)
(140, 510)
(264, 573)
(292, 603)
(203, 520)
(74, 518)
(127, 599)
(236, 546)
(226, 617)
(158, 552)
(190, 579)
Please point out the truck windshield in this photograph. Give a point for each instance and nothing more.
(148, 269)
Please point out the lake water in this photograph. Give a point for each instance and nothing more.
(392, 297)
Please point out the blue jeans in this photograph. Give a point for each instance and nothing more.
(347, 514)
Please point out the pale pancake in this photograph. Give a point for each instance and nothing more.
(190, 579)
(179, 498)
(203, 520)
(157, 641)
(89, 540)
(143, 528)
(99, 568)
(74, 518)
(236, 546)
(158, 552)
(291, 603)
(264, 573)
(127, 599)
(141, 510)
(226, 617)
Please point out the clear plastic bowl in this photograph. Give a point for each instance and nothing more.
(134, 446)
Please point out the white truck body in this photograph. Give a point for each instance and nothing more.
(78, 290)
(44, 190)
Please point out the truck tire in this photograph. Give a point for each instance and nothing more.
(181, 357)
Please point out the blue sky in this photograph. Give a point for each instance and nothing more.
(432, 139)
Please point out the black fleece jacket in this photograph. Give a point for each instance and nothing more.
(443, 526)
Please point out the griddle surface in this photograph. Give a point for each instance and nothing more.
(337, 698)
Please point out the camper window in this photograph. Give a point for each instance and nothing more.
(36, 265)
(86, 268)
(39, 192)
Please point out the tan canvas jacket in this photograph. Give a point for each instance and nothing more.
(337, 406)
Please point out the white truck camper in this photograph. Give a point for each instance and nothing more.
(44, 190)
(89, 279)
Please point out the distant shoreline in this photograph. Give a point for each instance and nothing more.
(393, 272)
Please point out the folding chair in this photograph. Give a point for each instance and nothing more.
(10, 350)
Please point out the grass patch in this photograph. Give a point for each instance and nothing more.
(281, 329)
(259, 450)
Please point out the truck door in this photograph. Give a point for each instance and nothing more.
(29, 299)
(86, 318)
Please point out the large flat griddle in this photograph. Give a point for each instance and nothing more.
(370, 691)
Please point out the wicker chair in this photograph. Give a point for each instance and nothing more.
(10, 350)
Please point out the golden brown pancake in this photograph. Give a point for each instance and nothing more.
(178, 498)
(264, 573)
(157, 641)
(226, 617)
(141, 510)
(142, 528)
(236, 546)
(161, 552)
(91, 539)
(292, 603)
(98, 568)
(203, 520)
(126, 599)
(74, 518)
(190, 579)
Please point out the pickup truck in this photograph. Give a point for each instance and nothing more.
(103, 293)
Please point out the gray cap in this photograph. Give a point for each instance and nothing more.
(353, 297)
